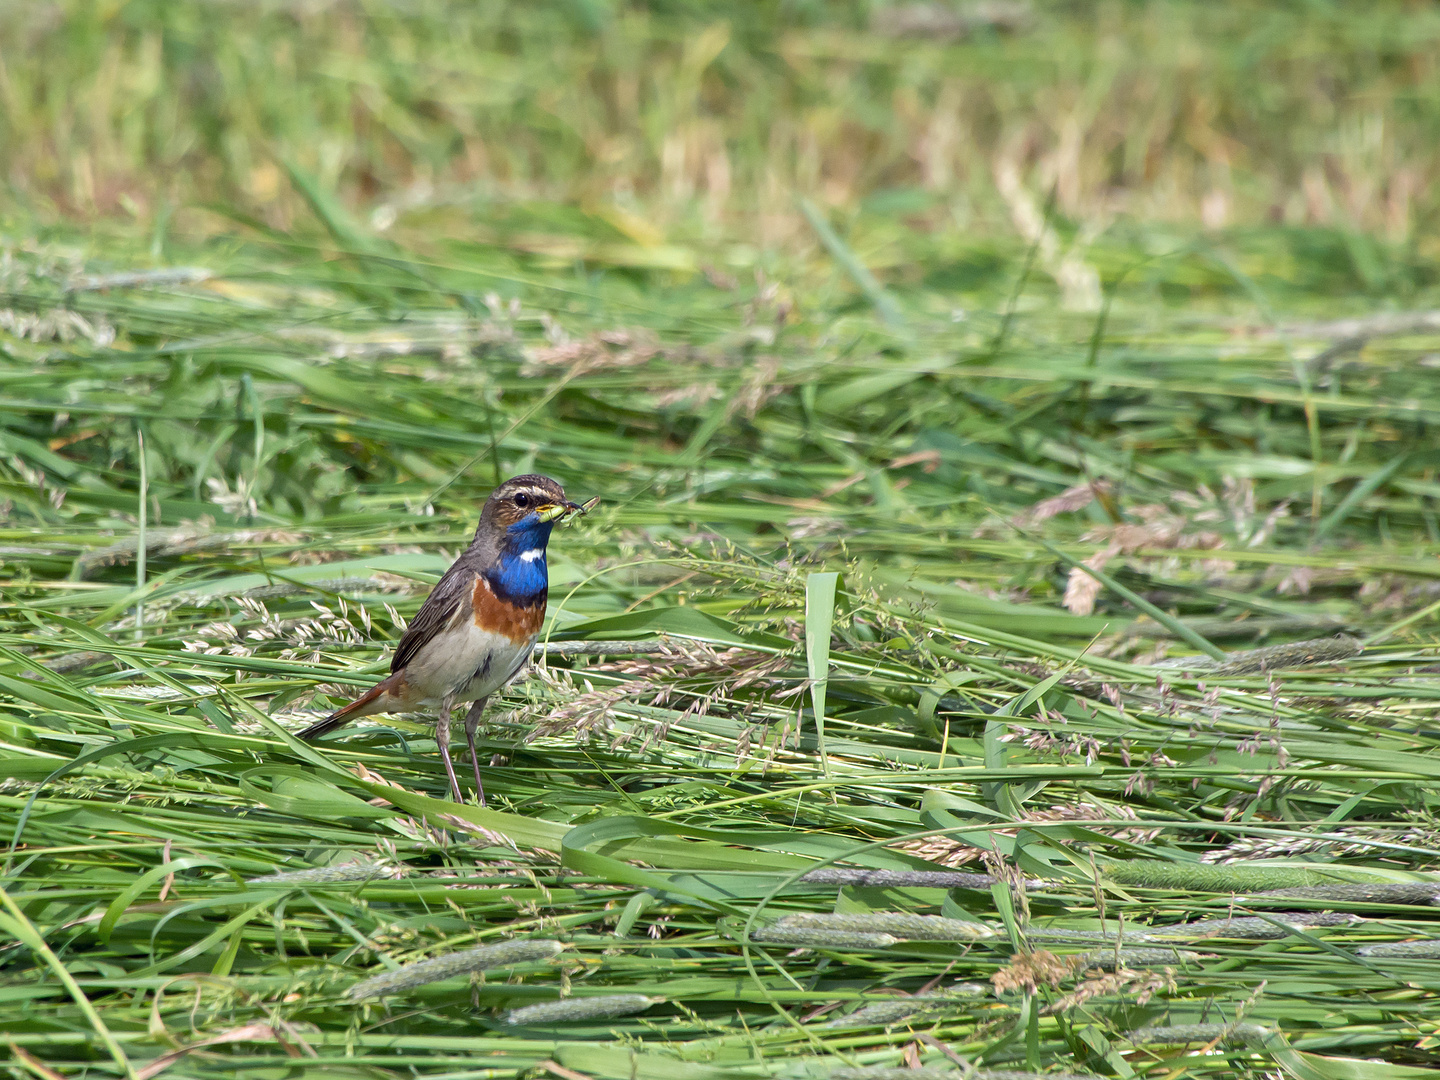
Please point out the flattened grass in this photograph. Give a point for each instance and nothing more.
(314, 459)
(324, 400)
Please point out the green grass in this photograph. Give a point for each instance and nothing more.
(681, 124)
(861, 392)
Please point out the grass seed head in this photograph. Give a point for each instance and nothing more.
(1387, 892)
(355, 871)
(574, 1009)
(807, 938)
(897, 1009)
(1254, 928)
(1184, 1034)
(1028, 971)
(501, 954)
(1423, 949)
(1111, 959)
(897, 924)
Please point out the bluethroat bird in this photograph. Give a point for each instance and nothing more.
(477, 628)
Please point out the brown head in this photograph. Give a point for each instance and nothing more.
(520, 513)
(520, 497)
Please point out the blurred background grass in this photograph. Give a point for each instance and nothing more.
(672, 133)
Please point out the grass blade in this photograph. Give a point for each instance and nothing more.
(819, 622)
(884, 304)
(1164, 618)
(22, 929)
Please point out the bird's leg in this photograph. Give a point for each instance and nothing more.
(442, 737)
(472, 721)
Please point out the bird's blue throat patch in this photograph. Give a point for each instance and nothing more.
(521, 576)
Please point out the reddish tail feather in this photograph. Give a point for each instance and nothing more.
(341, 717)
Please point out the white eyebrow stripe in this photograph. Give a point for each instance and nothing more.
(532, 554)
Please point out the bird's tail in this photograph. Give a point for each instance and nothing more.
(361, 706)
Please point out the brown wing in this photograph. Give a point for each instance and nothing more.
(440, 609)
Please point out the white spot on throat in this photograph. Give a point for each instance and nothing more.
(532, 554)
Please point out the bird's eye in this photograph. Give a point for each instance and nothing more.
(522, 500)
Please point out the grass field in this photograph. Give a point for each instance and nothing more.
(949, 489)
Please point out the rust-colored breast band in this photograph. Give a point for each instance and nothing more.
(500, 617)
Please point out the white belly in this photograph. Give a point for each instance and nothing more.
(466, 661)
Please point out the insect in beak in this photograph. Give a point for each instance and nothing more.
(563, 510)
